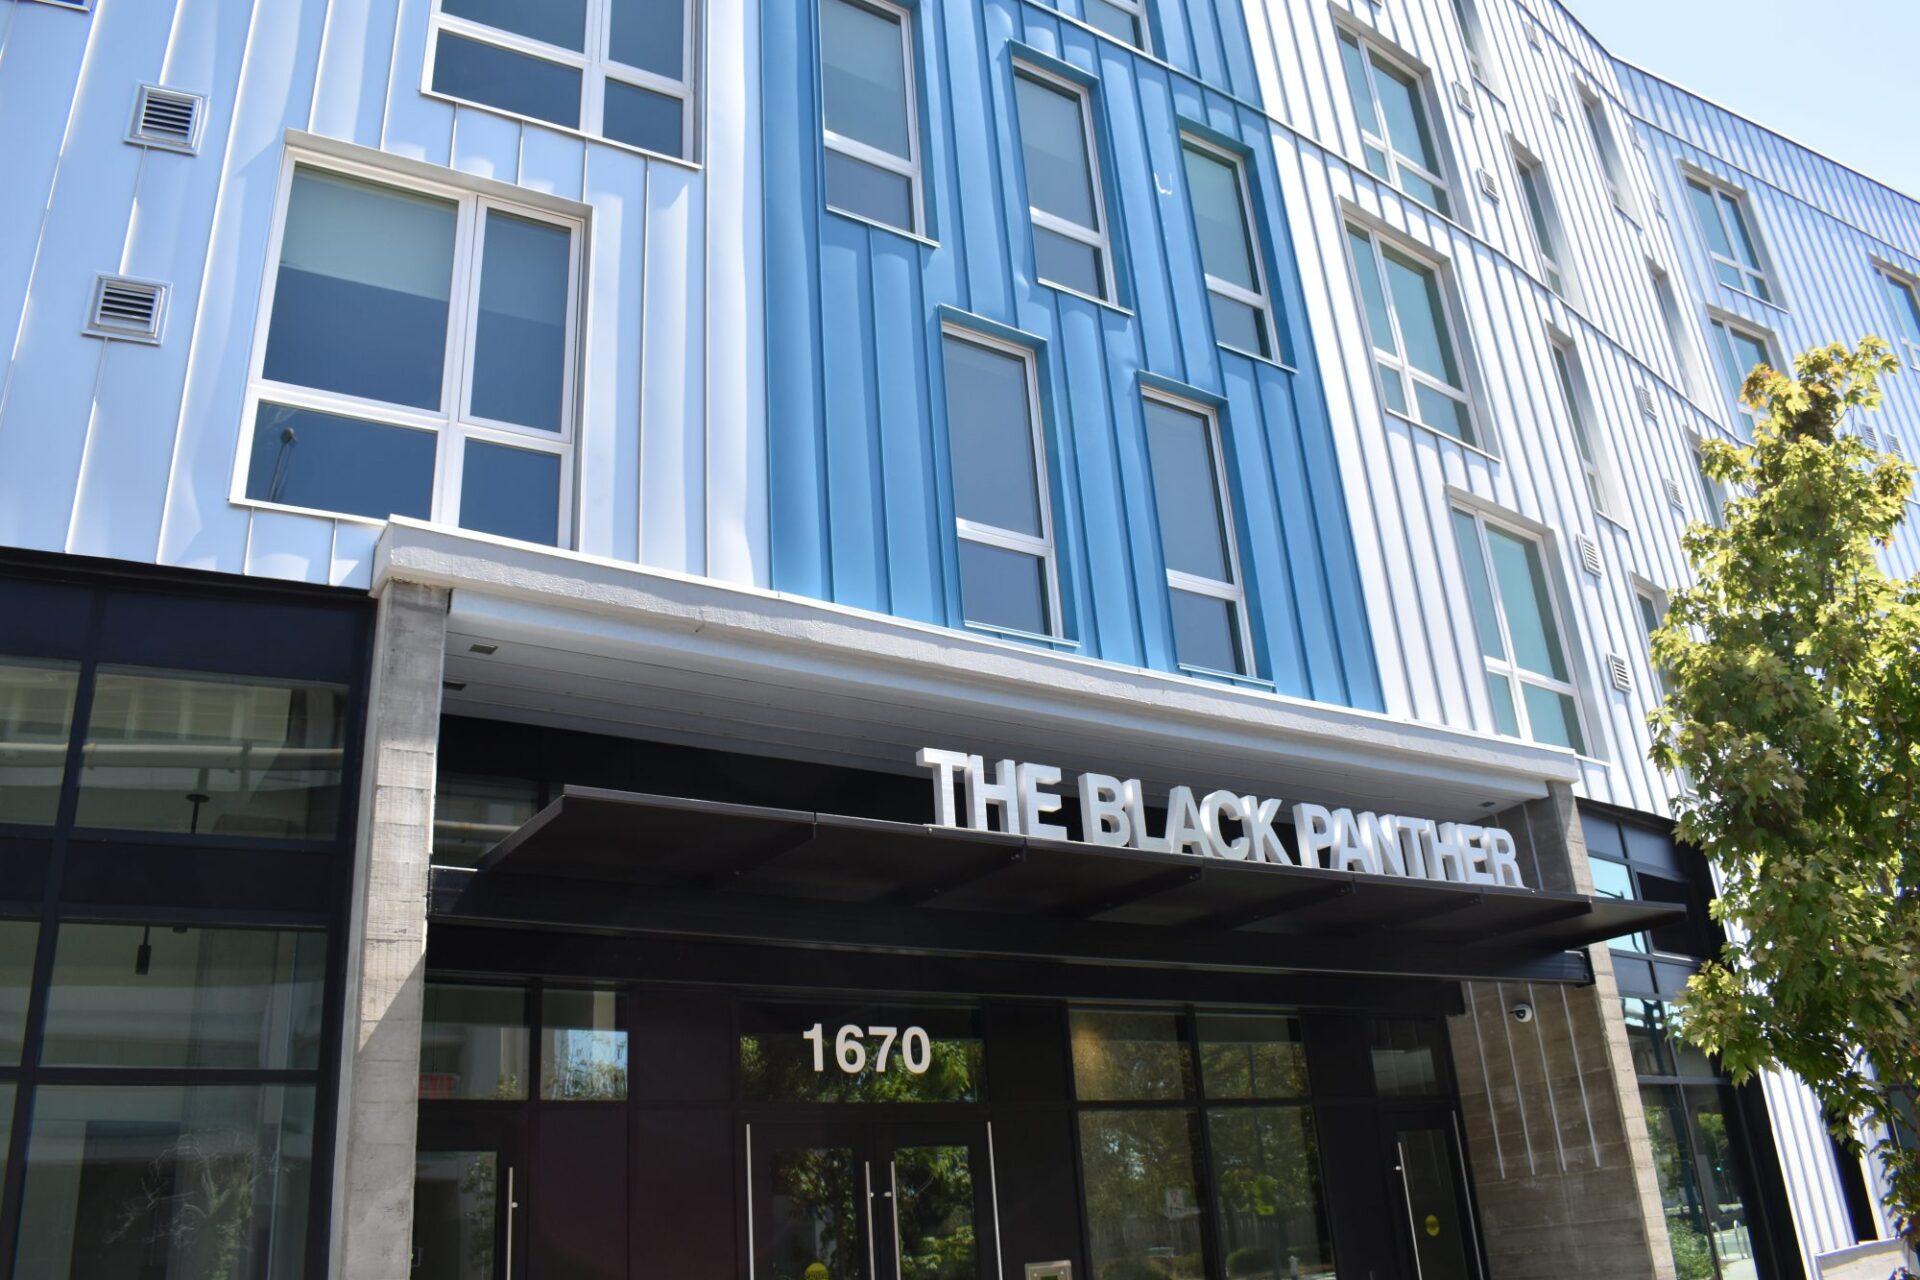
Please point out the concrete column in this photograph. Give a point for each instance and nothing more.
(1563, 1171)
(372, 1227)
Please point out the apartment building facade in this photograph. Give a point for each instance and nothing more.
(883, 638)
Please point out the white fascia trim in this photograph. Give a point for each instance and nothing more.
(772, 631)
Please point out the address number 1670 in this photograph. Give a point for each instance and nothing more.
(851, 1049)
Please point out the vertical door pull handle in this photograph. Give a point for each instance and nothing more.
(512, 1204)
(1406, 1190)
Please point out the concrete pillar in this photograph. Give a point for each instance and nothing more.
(1563, 1171)
(387, 944)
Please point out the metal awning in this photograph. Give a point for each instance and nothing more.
(610, 861)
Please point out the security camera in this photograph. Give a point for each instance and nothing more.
(1523, 1012)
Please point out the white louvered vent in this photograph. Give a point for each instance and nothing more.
(1645, 397)
(128, 309)
(1553, 105)
(1674, 497)
(1489, 185)
(1590, 556)
(1620, 673)
(1894, 446)
(1869, 436)
(1463, 97)
(166, 118)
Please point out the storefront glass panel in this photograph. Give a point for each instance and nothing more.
(18, 938)
(1252, 1056)
(1409, 1057)
(583, 1046)
(933, 1193)
(1131, 1057)
(1144, 1207)
(1266, 1175)
(456, 1225)
(473, 1042)
(36, 719)
(872, 1053)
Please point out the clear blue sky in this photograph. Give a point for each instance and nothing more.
(1841, 76)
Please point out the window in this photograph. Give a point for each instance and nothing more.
(1739, 350)
(1229, 251)
(1612, 168)
(1712, 500)
(1684, 359)
(1471, 35)
(583, 1045)
(1544, 217)
(871, 126)
(1518, 623)
(474, 812)
(1722, 217)
(36, 724)
(1396, 133)
(614, 69)
(1573, 397)
(474, 1042)
(1652, 608)
(1905, 300)
(1124, 20)
(1415, 356)
(417, 359)
(1196, 539)
(1001, 499)
(1064, 195)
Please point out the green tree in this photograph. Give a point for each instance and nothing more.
(1793, 708)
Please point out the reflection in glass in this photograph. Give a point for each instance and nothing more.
(933, 1195)
(1003, 588)
(1273, 1216)
(18, 941)
(869, 191)
(811, 1224)
(514, 493)
(305, 458)
(472, 813)
(1252, 1056)
(1186, 490)
(219, 755)
(557, 22)
(1647, 1036)
(1613, 880)
(642, 118)
(1690, 1229)
(1144, 1208)
(1062, 260)
(455, 1214)
(864, 76)
(1130, 1057)
(583, 1050)
(36, 718)
(168, 996)
(777, 1058)
(1409, 1055)
(496, 77)
(520, 344)
(473, 1042)
(990, 433)
(1053, 144)
(1206, 632)
(168, 1183)
(649, 34)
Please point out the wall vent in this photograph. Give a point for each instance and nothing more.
(1894, 447)
(1590, 555)
(1553, 105)
(1489, 185)
(1869, 436)
(1463, 97)
(1620, 673)
(1645, 397)
(129, 309)
(166, 118)
(1674, 497)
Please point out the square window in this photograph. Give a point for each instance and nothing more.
(1397, 132)
(1727, 228)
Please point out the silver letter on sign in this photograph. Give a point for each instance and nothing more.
(1258, 816)
(1103, 811)
(1216, 805)
(943, 763)
(1034, 801)
(1313, 828)
(1000, 794)
(1505, 858)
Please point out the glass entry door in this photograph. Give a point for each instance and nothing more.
(869, 1201)
(1429, 1179)
(469, 1203)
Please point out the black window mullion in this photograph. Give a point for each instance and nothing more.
(1203, 1174)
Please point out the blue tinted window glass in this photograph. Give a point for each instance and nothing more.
(1486, 622)
(1186, 492)
(990, 432)
(1113, 20)
(643, 119)
(322, 460)
(649, 34)
(1743, 235)
(1529, 612)
(864, 75)
(561, 22)
(1219, 218)
(520, 348)
(1353, 62)
(1065, 261)
(360, 300)
(511, 81)
(1003, 588)
(1406, 117)
(1906, 307)
(1505, 720)
(1205, 632)
(1551, 717)
(1367, 267)
(1053, 144)
(1423, 325)
(512, 492)
(1708, 216)
(854, 186)
(1442, 412)
(1238, 325)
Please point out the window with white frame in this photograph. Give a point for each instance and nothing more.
(1001, 501)
(1191, 498)
(1573, 396)
(1731, 243)
(1612, 168)
(1739, 349)
(1686, 363)
(1124, 20)
(1652, 606)
(870, 123)
(415, 357)
(1064, 194)
(1229, 250)
(1397, 132)
(622, 70)
(1904, 297)
(1468, 15)
(1543, 216)
(1419, 364)
(1529, 678)
(1712, 499)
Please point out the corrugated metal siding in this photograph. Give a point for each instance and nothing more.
(860, 510)
(122, 450)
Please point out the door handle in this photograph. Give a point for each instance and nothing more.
(512, 1204)
(873, 1262)
(893, 1184)
(1406, 1194)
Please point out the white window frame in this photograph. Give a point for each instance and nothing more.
(1549, 236)
(1474, 38)
(1262, 301)
(1234, 592)
(453, 424)
(907, 167)
(1893, 278)
(1712, 496)
(1506, 668)
(1411, 377)
(1723, 195)
(1138, 8)
(1645, 594)
(1570, 377)
(1613, 165)
(1098, 238)
(1685, 357)
(596, 67)
(1732, 324)
(1370, 51)
(993, 535)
